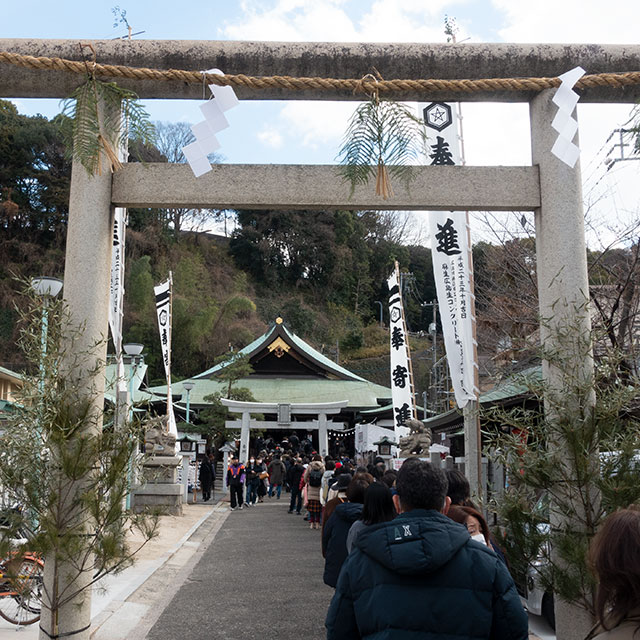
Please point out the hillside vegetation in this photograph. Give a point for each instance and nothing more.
(324, 272)
(321, 271)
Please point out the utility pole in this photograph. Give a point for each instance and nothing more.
(622, 134)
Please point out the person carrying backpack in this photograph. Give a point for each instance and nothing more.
(313, 481)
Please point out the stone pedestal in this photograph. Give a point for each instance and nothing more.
(160, 487)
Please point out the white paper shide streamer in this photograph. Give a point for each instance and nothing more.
(564, 122)
(450, 253)
(401, 379)
(224, 98)
(163, 311)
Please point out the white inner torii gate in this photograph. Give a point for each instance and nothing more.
(246, 423)
(548, 187)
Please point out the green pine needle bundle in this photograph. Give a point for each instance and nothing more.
(382, 140)
(100, 117)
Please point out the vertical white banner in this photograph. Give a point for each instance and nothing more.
(116, 288)
(116, 291)
(163, 311)
(450, 253)
(449, 250)
(401, 378)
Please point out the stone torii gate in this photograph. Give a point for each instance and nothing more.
(245, 424)
(548, 187)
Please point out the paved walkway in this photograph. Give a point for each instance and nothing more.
(215, 574)
(262, 578)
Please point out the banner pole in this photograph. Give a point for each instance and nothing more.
(471, 413)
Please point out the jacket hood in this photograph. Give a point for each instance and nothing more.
(348, 511)
(316, 465)
(418, 541)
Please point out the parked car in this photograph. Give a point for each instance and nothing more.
(533, 595)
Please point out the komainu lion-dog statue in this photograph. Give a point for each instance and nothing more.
(418, 441)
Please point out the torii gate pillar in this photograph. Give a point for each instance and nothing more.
(244, 437)
(86, 294)
(563, 289)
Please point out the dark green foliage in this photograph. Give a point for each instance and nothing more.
(212, 420)
(569, 465)
(340, 257)
(234, 367)
(34, 177)
(321, 271)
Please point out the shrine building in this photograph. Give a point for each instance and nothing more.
(296, 389)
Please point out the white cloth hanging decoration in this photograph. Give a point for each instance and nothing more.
(206, 143)
(564, 122)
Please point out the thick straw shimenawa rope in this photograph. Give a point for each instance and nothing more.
(615, 80)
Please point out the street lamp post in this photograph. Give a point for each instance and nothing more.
(187, 386)
(47, 288)
(134, 351)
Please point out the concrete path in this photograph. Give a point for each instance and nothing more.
(114, 610)
(214, 574)
(260, 579)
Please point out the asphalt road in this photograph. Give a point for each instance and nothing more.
(260, 579)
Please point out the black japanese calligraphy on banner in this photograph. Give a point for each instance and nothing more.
(401, 384)
(163, 310)
(451, 265)
(447, 238)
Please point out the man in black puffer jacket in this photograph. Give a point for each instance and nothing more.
(421, 575)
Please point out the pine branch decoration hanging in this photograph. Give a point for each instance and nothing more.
(100, 117)
(383, 138)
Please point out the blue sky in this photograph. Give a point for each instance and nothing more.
(307, 132)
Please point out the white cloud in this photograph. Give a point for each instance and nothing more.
(586, 21)
(313, 124)
(329, 21)
(271, 137)
(291, 20)
(496, 133)
(411, 21)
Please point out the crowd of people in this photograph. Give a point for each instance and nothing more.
(407, 551)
